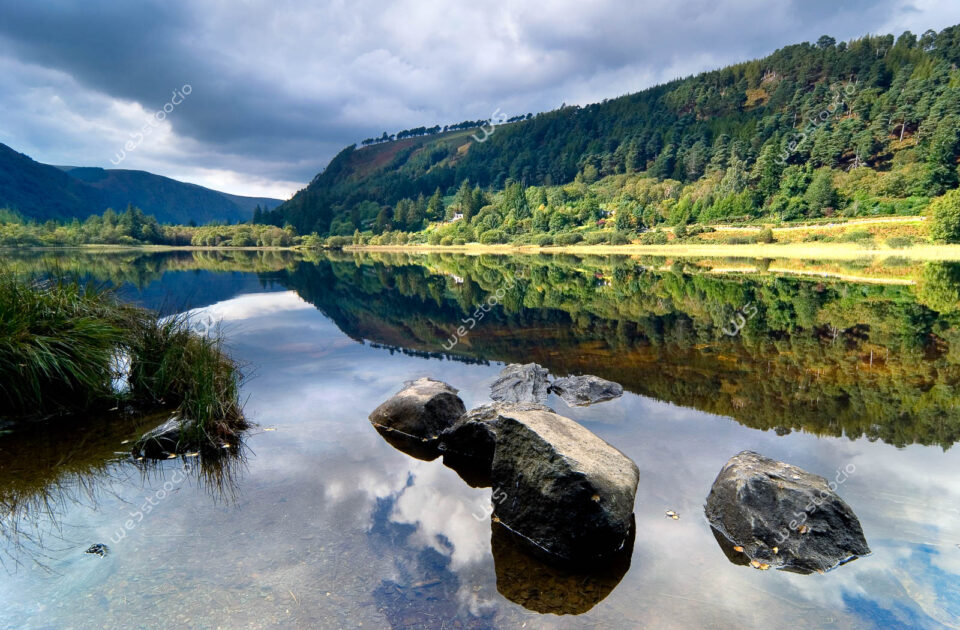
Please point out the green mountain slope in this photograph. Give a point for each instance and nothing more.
(769, 137)
(42, 192)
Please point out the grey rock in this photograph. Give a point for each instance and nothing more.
(99, 550)
(169, 437)
(581, 391)
(521, 383)
(558, 486)
(783, 516)
(421, 410)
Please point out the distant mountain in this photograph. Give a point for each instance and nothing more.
(41, 191)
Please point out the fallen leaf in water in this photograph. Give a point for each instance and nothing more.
(596, 498)
(738, 549)
(126, 441)
(776, 550)
(755, 564)
(191, 455)
(270, 429)
(803, 529)
(172, 456)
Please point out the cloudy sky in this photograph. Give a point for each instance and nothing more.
(277, 87)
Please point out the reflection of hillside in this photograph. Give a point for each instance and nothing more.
(828, 357)
(153, 279)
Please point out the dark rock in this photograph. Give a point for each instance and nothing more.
(581, 391)
(474, 435)
(544, 587)
(521, 384)
(98, 549)
(421, 410)
(173, 436)
(782, 516)
(559, 486)
(468, 445)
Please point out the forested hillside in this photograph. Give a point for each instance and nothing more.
(865, 127)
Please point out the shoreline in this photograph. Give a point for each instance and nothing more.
(807, 251)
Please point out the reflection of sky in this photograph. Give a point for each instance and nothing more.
(332, 527)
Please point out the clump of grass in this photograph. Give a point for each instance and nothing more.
(60, 341)
(173, 366)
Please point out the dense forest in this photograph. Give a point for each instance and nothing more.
(860, 128)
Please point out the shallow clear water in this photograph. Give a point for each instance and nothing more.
(323, 524)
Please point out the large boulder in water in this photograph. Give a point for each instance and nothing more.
(521, 383)
(581, 391)
(556, 484)
(421, 410)
(782, 516)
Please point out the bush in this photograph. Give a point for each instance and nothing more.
(765, 236)
(680, 231)
(945, 218)
(493, 237)
(544, 240)
(654, 238)
(855, 236)
(568, 238)
(900, 242)
(620, 238)
(446, 240)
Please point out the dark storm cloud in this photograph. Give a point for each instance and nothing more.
(280, 86)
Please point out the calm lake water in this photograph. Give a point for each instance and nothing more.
(323, 524)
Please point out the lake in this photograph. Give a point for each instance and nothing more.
(321, 523)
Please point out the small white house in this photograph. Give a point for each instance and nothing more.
(456, 217)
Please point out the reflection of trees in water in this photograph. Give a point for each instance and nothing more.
(826, 356)
(48, 467)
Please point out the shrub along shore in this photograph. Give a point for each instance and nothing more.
(69, 347)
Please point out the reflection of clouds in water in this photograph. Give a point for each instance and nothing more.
(443, 509)
(252, 305)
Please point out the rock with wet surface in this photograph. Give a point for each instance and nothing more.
(168, 438)
(780, 516)
(100, 550)
(559, 486)
(581, 391)
(521, 384)
(421, 410)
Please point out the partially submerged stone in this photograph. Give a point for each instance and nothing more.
(176, 435)
(559, 486)
(581, 391)
(421, 410)
(780, 516)
(521, 384)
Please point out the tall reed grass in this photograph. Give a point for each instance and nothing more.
(60, 341)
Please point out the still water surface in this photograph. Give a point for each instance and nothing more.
(323, 524)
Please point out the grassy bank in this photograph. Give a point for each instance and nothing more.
(65, 345)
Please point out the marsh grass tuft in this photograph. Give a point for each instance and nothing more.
(60, 344)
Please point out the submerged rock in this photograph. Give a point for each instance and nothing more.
(560, 487)
(780, 516)
(546, 588)
(521, 384)
(581, 391)
(421, 410)
(170, 437)
(99, 550)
